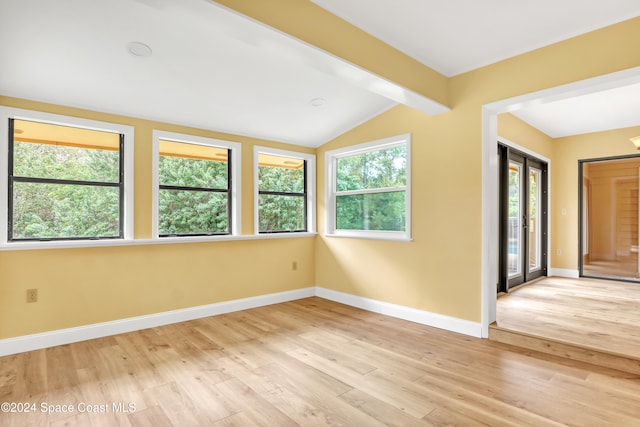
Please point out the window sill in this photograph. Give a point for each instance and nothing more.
(18, 246)
(372, 236)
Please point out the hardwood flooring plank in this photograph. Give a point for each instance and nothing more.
(254, 407)
(315, 362)
(444, 417)
(380, 410)
(153, 416)
(599, 314)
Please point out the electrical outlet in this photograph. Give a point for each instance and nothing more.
(32, 295)
(294, 266)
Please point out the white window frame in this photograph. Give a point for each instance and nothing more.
(331, 158)
(236, 185)
(310, 171)
(7, 113)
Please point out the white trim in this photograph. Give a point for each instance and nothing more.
(310, 172)
(422, 317)
(236, 184)
(564, 272)
(390, 236)
(331, 157)
(64, 244)
(7, 113)
(98, 330)
(490, 111)
(524, 150)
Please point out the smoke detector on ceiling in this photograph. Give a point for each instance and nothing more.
(139, 49)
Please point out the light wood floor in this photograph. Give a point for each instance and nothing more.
(313, 363)
(623, 268)
(599, 314)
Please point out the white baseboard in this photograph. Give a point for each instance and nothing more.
(564, 272)
(440, 321)
(99, 330)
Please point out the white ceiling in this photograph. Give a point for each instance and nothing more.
(605, 110)
(455, 36)
(214, 69)
(210, 68)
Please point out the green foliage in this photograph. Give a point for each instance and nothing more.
(384, 211)
(49, 210)
(378, 211)
(184, 172)
(281, 212)
(192, 212)
(533, 194)
(514, 193)
(184, 212)
(61, 162)
(376, 169)
(286, 180)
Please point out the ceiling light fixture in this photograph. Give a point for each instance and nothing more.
(636, 141)
(317, 102)
(139, 49)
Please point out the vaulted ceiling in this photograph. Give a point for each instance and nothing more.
(199, 64)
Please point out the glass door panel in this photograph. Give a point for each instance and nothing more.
(534, 219)
(514, 236)
(523, 218)
(609, 218)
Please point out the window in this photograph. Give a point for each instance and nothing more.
(368, 189)
(284, 191)
(195, 186)
(67, 178)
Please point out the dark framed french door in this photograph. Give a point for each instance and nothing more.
(523, 196)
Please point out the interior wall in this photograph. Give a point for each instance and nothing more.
(564, 185)
(440, 271)
(90, 285)
(520, 132)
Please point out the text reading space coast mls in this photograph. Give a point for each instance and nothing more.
(81, 407)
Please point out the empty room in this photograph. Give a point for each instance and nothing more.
(319, 212)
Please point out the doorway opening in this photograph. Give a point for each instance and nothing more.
(609, 218)
(523, 199)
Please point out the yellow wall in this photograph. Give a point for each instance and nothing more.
(564, 185)
(440, 271)
(525, 135)
(564, 154)
(89, 285)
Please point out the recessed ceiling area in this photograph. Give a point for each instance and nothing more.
(595, 112)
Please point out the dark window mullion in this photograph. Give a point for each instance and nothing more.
(304, 188)
(10, 192)
(281, 193)
(302, 194)
(65, 182)
(13, 179)
(230, 223)
(121, 189)
(184, 188)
